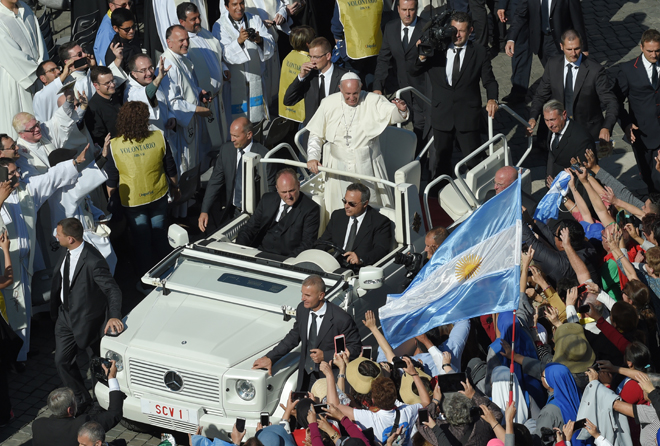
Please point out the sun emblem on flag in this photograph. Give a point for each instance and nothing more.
(468, 267)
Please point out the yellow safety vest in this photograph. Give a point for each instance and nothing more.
(142, 178)
(290, 71)
(361, 21)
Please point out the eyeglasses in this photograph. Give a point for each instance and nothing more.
(317, 57)
(350, 203)
(150, 69)
(129, 28)
(53, 69)
(80, 55)
(12, 147)
(112, 82)
(34, 128)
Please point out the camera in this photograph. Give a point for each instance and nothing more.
(97, 368)
(252, 34)
(413, 262)
(437, 34)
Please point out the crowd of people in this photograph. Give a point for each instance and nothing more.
(123, 130)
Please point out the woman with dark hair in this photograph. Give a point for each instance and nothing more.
(637, 357)
(638, 295)
(141, 171)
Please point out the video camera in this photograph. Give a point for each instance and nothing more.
(437, 34)
(413, 262)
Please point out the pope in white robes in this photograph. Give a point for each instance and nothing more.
(23, 49)
(344, 133)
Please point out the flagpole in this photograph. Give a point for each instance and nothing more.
(513, 346)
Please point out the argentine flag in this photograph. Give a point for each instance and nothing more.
(548, 207)
(476, 271)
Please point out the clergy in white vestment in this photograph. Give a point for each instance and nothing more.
(23, 49)
(20, 203)
(246, 57)
(143, 86)
(205, 52)
(74, 202)
(185, 100)
(344, 131)
(165, 15)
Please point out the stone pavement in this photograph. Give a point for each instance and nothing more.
(614, 28)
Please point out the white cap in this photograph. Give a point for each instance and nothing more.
(350, 76)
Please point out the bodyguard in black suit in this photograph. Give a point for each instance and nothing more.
(317, 323)
(359, 229)
(62, 427)
(85, 301)
(585, 89)
(398, 50)
(318, 71)
(637, 81)
(547, 20)
(567, 139)
(285, 222)
(224, 172)
(456, 98)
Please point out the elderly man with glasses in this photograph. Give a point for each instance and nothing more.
(359, 234)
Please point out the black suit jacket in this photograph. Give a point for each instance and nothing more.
(574, 143)
(564, 15)
(224, 173)
(308, 89)
(335, 322)
(592, 93)
(372, 241)
(294, 233)
(458, 106)
(93, 292)
(633, 83)
(64, 431)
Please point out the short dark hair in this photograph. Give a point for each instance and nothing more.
(461, 17)
(97, 71)
(184, 9)
(575, 232)
(365, 193)
(624, 317)
(93, 430)
(570, 34)
(564, 284)
(121, 16)
(63, 51)
(655, 202)
(3, 136)
(132, 62)
(439, 234)
(71, 227)
(40, 68)
(639, 355)
(650, 35)
(169, 30)
(4, 162)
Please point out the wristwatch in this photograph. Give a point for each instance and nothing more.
(341, 375)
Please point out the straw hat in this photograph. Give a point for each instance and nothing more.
(407, 385)
(572, 348)
(359, 382)
(320, 389)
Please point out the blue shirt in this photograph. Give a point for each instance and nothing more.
(104, 36)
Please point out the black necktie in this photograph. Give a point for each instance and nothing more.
(351, 235)
(238, 182)
(545, 16)
(311, 343)
(65, 279)
(654, 76)
(405, 38)
(283, 213)
(555, 142)
(457, 66)
(568, 91)
(321, 88)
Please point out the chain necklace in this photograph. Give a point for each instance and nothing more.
(347, 137)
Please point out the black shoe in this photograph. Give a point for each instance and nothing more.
(514, 98)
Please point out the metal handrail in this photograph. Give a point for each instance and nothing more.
(428, 189)
(281, 146)
(413, 90)
(296, 139)
(481, 148)
(517, 117)
(332, 171)
(425, 149)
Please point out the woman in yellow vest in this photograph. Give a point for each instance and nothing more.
(299, 39)
(141, 170)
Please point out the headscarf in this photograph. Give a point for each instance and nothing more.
(566, 395)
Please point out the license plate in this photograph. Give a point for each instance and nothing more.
(165, 410)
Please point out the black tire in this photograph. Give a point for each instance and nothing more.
(136, 426)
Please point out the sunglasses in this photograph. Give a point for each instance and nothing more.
(350, 203)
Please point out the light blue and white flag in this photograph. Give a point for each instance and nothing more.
(475, 271)
(549, 205)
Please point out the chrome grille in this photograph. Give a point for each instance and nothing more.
(196, 385)
(176, 425)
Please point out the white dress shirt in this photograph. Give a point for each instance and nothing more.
(576, 67)
(73, 261)
(280, 211)
(319, 317)
(649, 67)
(560, 134)
(326, 79)
(411, 29)
(246, 149)
(358, 221)
(451, 53)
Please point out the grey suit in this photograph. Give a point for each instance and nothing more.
(224, 173)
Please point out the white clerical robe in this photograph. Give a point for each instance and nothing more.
(74, 202)
(159, 114)
(247, 66)
(84, 80)
(19, 213)
(23, 49)
(182, 92)
(205, 52)
(165, 15)
(45, 100)
(351, 143)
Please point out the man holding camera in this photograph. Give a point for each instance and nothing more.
(456, 100)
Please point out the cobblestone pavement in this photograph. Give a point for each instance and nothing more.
(614, 28)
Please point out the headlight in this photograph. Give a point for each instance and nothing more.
(113, 356)
(245, 389)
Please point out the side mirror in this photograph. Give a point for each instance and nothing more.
(177, 236)
(370, 278)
